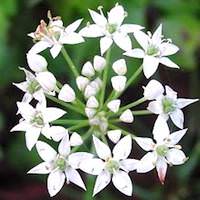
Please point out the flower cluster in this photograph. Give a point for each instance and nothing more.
(103, 117)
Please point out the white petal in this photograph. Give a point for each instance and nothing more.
(171, 93)
(73, 27)
(166, 61)
(27, 98)
(99, 63)
(55, 50)
(102, 150)
(67, 94)
(114, 105)
(98, 18)
(82, 82)
(150, 65)
(22, 86)
(127, 116)
(22, 126)
(71, 38)
(155, 107)
(147, 163)
(182, 102)
(36, 62)
(64, 146)
(31, 136)
(160, 130)
(75, 139)
(50, 114)
(92, 30)
(157, 35)
(26, 110)
(175, 137)
(45, 151)
(92, 102)
(90, 112)
(101, 182)
(42, 168)
(88, 70)
(118, 83)
(57, 132)
(123, 148)
(145, 143)
(47, 81)
(116, 15)
(176, 157)
(114, 135)
(74, 177)
(119, 67)
(168, 49)
(135, 53)
(39, 46)
(161, 167)
(105, 44)
(129, 164)
(153, 90)
(55, 182)
(75, 159)
(123, 41)
(92, 166)
(122, 182)
(142, 39)
(130, 28)
(178, 118)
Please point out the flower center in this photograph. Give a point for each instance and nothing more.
(33, 86)
(38, 120)
(152, 50)
(61, 163)
(112, 165)
(111, 28)
(168, 105)
(162, 150)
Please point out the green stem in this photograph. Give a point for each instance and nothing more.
(105, 77)
(142, 112)
(80, 125)
(68, 121)
(66, 105)
(70, 62)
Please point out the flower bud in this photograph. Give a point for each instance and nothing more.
(36, 62)
(114, 135)
(118, 83)
(119, 67)
(99, 63)
(88, 70)
(92, 102)
(75, 139)
(97, 83)
(82, 82)
(90, 91)
(127, 116)
(67, 94)
(90, 112)
(114, 105)
(47, 81)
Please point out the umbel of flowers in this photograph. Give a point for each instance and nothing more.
(102, 115)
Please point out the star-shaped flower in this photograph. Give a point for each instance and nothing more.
(155, 50)
(166, 105)
(60, 166)
(164, 151)
(35, 121)
(110, 29)
(109, 167)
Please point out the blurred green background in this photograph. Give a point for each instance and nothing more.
(181, 22)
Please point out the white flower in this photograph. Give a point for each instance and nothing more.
(82, 82)
(99, 63)
(54, 35)
(127, 116)
(156, 50)
(164, 151)
(36, 62)
(166, 105)
(114, 105)
(67, 94)
(118, 83)
(32, 88)
(110, 29)
(114, 135)
(59, 166)
(119, 67)
(109, 167)
(35, 121)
